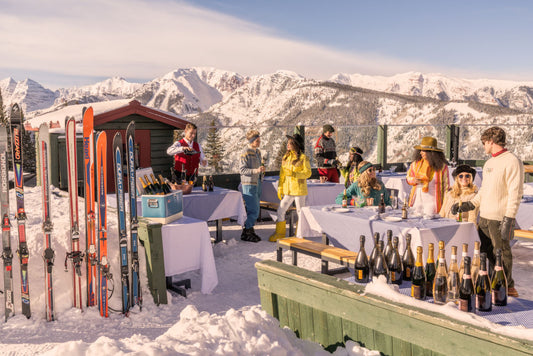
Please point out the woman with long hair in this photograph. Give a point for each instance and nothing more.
(367, 190)
(292, 185)
(462, 190)
(428, 174)
(350, 172)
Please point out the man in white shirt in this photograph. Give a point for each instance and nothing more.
(187, 155)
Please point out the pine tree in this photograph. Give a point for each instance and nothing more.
(3, 116)
(28, 150)
(214, 150)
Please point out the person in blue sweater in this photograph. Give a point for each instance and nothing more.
(367, 189)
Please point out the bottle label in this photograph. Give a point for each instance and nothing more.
(416, 292)
(467, 276)
(408, 272)
(498, 268)
(463, 305)
(392, 276)
(483, 301)
(344, 203)
(499, 296)
(482, 273)
(360, 274)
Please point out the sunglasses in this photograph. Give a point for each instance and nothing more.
(371, 169)
(465, 175)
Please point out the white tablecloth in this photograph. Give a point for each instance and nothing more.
(344, 229)
(317, 193)
(218, 204)
(187, 247)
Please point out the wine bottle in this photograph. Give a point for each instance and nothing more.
(388, 247)
(418, 279)
(380, 265)
(482, 289)
(166, 187)
(459, 216)
(344, 199)
(466, 291)
(408, 259)
(499, 282)
(453, 277)
(440, 283)
(431, 270)
(475, 262)
(361, 266)
(373, 254)
(211, 184)
(204, 184)
(404, 209)
(441, 247)
(395, 264)
(381, 204)
(156, 184)
(462, 265)
(147, 189)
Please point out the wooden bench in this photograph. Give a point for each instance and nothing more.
(323, 251)
(291, 213)
(528, 234)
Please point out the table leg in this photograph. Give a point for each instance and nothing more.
(179, 287)
(218, 236)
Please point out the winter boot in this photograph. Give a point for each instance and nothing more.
(279, 233)
(248, 235)
(252, 232)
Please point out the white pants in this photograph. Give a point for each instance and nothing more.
(286, 202)
(425, 203)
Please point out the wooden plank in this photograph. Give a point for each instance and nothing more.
(320, 327)
(383, 342)
(334, 332)
(528, 234)
(366, 337)
(339, 298)
(349, 330)
(528, 168)
(267, 302)
(293, 308)
(401, 347)
(283, 315)
(306, 322)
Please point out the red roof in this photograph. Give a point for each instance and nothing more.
(135, 107)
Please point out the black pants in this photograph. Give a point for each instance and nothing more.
(491, 240)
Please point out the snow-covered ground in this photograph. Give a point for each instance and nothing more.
(227, 322)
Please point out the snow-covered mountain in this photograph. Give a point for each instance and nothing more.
(32, 95)
(511, 94)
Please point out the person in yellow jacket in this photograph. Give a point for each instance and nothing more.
(292, 185)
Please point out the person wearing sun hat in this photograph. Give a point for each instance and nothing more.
(292, 184)
(350, 171)
(428, 175)
(325, 154)
(367, 189)
(463, 189)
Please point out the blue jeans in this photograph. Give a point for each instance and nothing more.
(251, 195)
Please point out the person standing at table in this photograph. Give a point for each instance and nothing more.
(463, 189)
(292, 185)
(326, 155)
(251, 171)
(350, 172)
(188, 154)
(428, 174)
(498, 201)
(367, 190)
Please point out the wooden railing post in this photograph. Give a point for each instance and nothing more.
(382, 146)
(452, 143)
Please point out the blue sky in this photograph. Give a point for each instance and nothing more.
(64, 43)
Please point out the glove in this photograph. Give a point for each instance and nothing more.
(507, 228)
(465, 206)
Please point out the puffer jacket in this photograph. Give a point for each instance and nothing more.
(293, 177)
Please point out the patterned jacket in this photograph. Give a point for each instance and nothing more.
(324, 152)
(250, 160)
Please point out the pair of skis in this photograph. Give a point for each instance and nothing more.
(131, 296)
(7, 254)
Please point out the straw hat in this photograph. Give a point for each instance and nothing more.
(428, 144)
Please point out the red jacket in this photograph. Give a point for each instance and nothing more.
(190, 162)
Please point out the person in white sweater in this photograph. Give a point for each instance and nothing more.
(498, 201)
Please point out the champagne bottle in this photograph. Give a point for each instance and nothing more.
(462, 265)
(459, 216)
(382, 204)
(418, 280)
(440, 283)
(482, 289)
(499, 282)
(153, 188)
(211, 184)
(408, 259)
(193, 178)
(362, 267)
(431, 270)
(166, 187)
(453, 277)
(156, 184)
(344, 199)
(380, 265)
(475, 262)
(404, 209)
(466, 291)
(395, 264)
(387, 252)
(373, 254)
(147, 189)
(441, 247)
(183, 177)
(204, 184)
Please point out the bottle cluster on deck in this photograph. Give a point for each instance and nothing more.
(153, 186)
(467, 285)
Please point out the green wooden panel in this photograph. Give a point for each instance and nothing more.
(267, 302)
(283, 315)
(350, 330)
(401, 347)
(151, 238)
(334, 332)
(306, 322)
(383, 342)
(293, 309)
(430, 331)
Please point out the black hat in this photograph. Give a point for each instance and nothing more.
(299, 140)
(328, 128)
(357, 150)
(464, 168)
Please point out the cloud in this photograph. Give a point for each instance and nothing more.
(145, 39)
